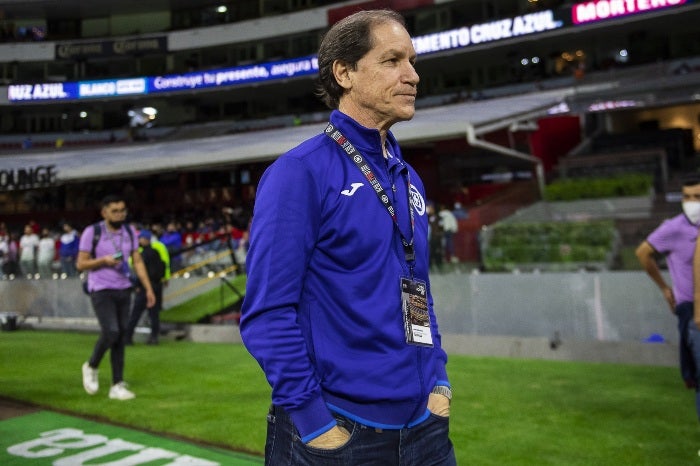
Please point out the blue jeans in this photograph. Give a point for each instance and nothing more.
(684, 313)
(693, 338)
(426, 444)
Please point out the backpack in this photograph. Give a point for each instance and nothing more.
(96, 233)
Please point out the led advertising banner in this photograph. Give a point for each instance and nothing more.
(168, 83)
(487, 32)
(42, 92)
(590, 12)
(233, 76)
(476, 34)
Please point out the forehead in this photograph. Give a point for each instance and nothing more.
(693, 190)
(390, 36)
(115, 205)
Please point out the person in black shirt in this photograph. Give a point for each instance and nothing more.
(156, 262)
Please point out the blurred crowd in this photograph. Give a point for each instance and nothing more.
(45, 251)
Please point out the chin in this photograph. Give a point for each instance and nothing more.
(405, 116)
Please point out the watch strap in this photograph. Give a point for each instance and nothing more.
(443, 390)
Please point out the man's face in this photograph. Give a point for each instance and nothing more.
(114, 212)
(382, 89)
(691, 203)
(691, 193)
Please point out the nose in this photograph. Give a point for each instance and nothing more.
(411, 75)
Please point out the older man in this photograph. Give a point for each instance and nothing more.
(338, 309)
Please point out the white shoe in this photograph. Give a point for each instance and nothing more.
(90, 382)
(120, 392)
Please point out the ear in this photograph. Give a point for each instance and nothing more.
(341, 73)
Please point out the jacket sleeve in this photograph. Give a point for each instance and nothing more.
(285, 226)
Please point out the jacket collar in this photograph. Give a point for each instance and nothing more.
(366, 140)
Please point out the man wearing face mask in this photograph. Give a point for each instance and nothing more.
(104, 252)
(675, 239)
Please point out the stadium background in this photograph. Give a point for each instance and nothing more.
(513, 94)
(601, 77)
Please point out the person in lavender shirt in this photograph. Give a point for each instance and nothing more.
(109, 287)
(675, 239)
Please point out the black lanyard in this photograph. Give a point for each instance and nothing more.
(359, 161)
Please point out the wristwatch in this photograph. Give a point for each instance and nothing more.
(443, 390)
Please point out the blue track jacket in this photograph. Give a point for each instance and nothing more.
(322, 312)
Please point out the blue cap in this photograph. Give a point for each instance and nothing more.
(145, 234)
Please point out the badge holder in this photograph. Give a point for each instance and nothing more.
(416, 319)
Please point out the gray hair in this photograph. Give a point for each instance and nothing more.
(348, 41)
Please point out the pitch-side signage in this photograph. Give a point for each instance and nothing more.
(590, 12)
(487, 32)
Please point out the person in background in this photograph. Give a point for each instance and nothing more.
(240, 254)
(172, 239)
(338, 310)
(675, 239)
(435, 239)
(460, 212)
(34, 225)
(10, 266)
(68, 250)
(28, 245)
(46, 252)
(109, 286)
(190, 238)
(157, 261)
(449, 227)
